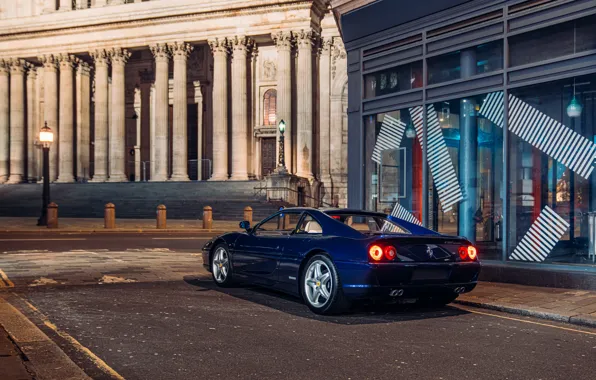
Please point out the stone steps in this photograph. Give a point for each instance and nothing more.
(139, 200)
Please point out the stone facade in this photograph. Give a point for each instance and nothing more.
(173, 90)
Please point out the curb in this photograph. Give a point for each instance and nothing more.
(579, 319)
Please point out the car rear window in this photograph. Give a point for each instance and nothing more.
(370, 224)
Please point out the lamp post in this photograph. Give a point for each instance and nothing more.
(282, 160)
(46, 137)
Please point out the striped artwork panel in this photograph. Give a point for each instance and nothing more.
(390, 136)
(400, 211)
(439, 161)
(541, 238)
(543, 132)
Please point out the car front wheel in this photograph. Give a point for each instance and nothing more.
(321, 286)
(221, 267)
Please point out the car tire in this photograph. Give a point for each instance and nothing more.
(320, 286)
(439, 300)
(221, 266)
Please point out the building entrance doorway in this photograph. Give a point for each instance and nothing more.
(267, 155)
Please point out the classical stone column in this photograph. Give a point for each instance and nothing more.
(83, 119)
(199, 101)
(66, 137)
(82, 4)
(161, 52)
(65, 5)
(101, 59)
(325, 114)
(240, 45)
(50, 69)
(116, 2)
(152, 105)
(4, 120)
(100, 3)
(304, 138)
(32, 126)
(220, 49)
(39, 120)
(119, 57)
(138, 112)
(49, 6)
(284, 41)
(180, 52)
(17, 121)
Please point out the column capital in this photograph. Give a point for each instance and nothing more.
(283, 39)
(181, 50)
(49, 62)
(18, 66)
(84, 68)
(119, 56)
(100, 57)
(67, 61)
(160, 51)
(219, 46)
(241, 43)
(325, 45)
(32, 73)
(4, 67)
(305, 39)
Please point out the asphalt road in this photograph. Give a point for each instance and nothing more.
(183, 327)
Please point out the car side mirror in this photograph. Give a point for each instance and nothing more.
(245, 225)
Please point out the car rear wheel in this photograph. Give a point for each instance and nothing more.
(221, 267)
(321, 286)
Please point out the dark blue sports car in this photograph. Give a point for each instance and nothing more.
(333, 257)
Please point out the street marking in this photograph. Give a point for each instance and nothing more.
(63, 239)
(9, 284)
(526, 321)
(94, 358)
(178, 238)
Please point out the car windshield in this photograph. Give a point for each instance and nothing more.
(370, 224)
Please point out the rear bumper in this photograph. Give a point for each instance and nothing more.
(363, 280)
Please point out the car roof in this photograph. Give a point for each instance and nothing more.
(335, 211)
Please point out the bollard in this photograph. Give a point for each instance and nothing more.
(248, 214)
(207, 218)
(109, 216)
(52, 215)
(161, 217)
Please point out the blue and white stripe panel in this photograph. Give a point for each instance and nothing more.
(543, 132)
(541, 238)
(390, 136)
(439, 161)
(400, 211)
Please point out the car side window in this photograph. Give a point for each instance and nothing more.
(280, 224)
(309, 225)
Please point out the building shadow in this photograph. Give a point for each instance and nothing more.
(360, 313)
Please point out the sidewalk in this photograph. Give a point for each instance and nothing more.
(563, 305)
(11, 224)
(12, 364)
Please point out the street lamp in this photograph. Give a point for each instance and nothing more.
(46, 137)
(282, 129)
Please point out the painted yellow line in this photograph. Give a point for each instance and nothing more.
(7, 281)
(526, 321)
(94, 358)
(21, 240)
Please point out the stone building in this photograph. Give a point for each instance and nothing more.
(173, 90)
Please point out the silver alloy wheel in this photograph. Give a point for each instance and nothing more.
(220, 265)
(318, 284)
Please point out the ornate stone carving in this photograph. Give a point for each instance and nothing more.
(338, 53)
(4, 67)
(84, 68)
(269, 71)
(49, 62)
(219, 46)
(283, 39)
(100, 57)
(160, 51)
(325, 45)
(181, 50)
(18, 66)
(119, 55)
(305, 38)
(67, 60)
(241, 43)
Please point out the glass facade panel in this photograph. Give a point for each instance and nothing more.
(555, 41)
(393, 157)
(395, 79)
(553, 189)
(456, 65)
(465, 158)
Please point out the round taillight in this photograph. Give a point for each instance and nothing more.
(463, 253)
(375, 252)
(472, 252)
(390, 253)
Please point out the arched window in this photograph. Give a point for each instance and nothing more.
(269, 107)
